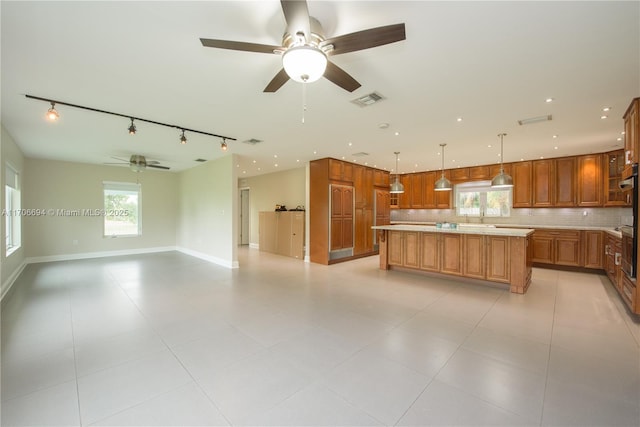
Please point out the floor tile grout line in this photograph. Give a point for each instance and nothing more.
(553, 324)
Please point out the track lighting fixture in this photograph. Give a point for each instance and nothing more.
(52, 114)
(223, 144)
(132, 128)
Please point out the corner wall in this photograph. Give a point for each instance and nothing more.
(207, 202)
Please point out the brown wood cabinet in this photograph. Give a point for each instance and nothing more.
(559, 247)
(451, 250)
(565, 182)
(612, 255)
(416, 190)
(592, 245)
(459, 174)
(480, 172)
(474, 256)
(342, 209)
(522, 185)
(428, 192)
(590, 180)
(430, 252)
(543, 183)
(341, 217)
(631, 135)
(404, 250)
(613, 169)
(498, 258)
(404, 199)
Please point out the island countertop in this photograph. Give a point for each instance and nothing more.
(461, 229)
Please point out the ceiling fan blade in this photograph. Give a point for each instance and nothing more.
(337, 75)
(116, 163)
(152, 162)
(158, 166)
(121, 159)
(246, 47)
(277, 82)
(296, 13)
(365, 39)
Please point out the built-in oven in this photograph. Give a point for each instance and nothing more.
(629, 228)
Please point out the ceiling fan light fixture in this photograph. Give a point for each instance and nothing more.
(304, 64)
(52, 113)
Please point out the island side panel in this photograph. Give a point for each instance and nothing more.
(383, 240)
(521, 264)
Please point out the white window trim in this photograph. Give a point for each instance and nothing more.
(123, 186)
(483, 187)
(13, 221)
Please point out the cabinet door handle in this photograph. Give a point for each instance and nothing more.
(618, 258)
(606, 249)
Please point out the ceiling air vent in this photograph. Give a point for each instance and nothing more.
(360, 154)
(252, 141)
(532, 120)
(367, 100)
(201, 160)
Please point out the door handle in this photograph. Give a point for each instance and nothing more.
(618, 258)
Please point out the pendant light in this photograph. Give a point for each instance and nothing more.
(443, 184)
(502, 180)
(397, 186)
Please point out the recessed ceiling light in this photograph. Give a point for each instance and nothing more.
(459, 119)
(622, 133)
(244, 171)
(259, 169)
(619, 138)
(489, 146)
(555, 148)
(342, 157)
(276, 165)
(605, 109)
(254, 162)
(366, 164)
(555, 136)
(542, 157)
(522, 160)
(237, 166)
(415, 166)
(315, 152)
(350, 144)
(453, 161)
(604, 116)
(297, 160)
(275, 156)
(548, 100)
(397, 133)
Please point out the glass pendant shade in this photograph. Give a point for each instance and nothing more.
(502, 180)
(304, 64)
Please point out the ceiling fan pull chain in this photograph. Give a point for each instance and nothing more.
(304, 100)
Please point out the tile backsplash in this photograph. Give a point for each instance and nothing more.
(586, 217)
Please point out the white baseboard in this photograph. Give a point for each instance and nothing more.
(87, 255)
(254, 246)
(6, 286)
(210, 258)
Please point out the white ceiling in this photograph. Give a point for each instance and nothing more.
(491, 63)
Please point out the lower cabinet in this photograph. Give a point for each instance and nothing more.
(470, 255)
(573, 248)
(282, 233)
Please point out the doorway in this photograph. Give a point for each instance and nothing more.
(245, 216)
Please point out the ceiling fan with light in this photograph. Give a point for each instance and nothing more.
(305, 50)
(138, 163)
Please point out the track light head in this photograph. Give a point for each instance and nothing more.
(223, 144)
(52, 114)
(132, 128)
(183, 139)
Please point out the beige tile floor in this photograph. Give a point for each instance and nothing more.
(167, 339)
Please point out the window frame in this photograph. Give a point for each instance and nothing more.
(126, 187)
(12, 201)
(483, 188)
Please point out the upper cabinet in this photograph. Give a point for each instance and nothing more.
(543, 183)
(565, 182)
(631, 135)
(614, 165)
(590, 180)
(521, 174)
(340, 171)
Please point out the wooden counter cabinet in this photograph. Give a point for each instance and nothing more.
(495, 258)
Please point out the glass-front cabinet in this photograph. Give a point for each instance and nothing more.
(614, 165)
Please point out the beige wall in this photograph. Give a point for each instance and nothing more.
(50, 184)
(10, 153)
(207, 210)
(266, 191)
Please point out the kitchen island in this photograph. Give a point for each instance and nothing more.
(497, 255)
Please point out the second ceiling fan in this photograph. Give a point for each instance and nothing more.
(305, 50)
